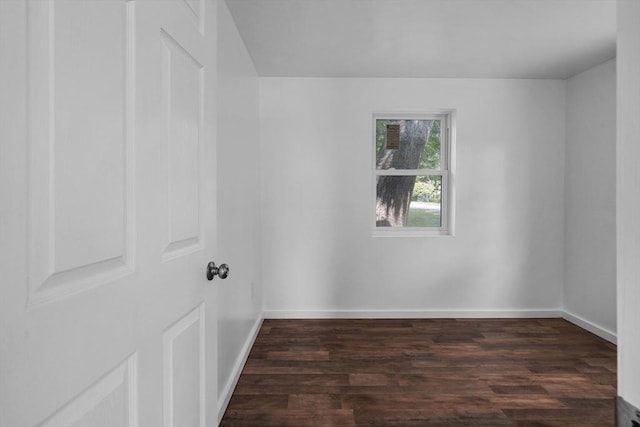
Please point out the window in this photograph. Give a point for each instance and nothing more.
(412, 174)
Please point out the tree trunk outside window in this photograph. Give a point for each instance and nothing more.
(394, 192)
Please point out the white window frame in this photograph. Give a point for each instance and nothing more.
(446, 171)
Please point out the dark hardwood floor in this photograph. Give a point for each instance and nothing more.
(418, 372)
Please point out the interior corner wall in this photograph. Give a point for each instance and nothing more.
(590, 228)
(239, 296)
(319, 255)
(628, 200)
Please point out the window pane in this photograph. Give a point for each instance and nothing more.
(417, 145)
(409, 201)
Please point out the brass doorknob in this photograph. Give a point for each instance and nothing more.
(222, 271)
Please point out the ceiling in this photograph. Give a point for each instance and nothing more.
(541, 39)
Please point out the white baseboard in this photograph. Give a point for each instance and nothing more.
(408, 314)
(590, 326)
(225, 395)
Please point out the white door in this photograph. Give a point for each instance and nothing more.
(107, 179)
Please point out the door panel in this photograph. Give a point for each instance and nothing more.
(182, 104)
(108, 213)
(109, 402)
(80, 231)
(195, 8)
(184, 375)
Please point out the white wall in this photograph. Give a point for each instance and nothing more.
(239, 296)
(590, 238)
(628, 200)
(318, 253)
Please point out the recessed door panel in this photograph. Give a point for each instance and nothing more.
(194, 9)
(111, 401)
(80, 146)
(184, 371)
(182, 103)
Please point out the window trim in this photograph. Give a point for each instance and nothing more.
(446, 171)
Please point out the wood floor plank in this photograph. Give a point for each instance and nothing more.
(289, 418)
(315, 401)
(425, 372)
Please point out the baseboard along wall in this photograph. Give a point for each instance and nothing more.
(590, 326)
(410, 314)
(224, 397)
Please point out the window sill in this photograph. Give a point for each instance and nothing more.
(410, 232)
